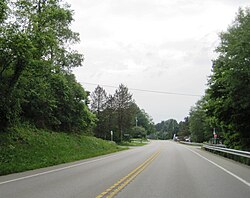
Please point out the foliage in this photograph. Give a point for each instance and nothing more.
(118, 113)
(184, 128)
(145, 121)
(35, 67)
(138, 132)
(228, 95)
(16, 52)
(3, 10)
(99, 102)
(124, 109)
(198, 125)
(167, 129)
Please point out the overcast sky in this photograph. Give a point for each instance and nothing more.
(158, 45)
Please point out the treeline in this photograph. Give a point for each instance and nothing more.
(226, 104)
(167, 129)
(120, 114)
(36, 59)
(192, 128)
(225, 108)
(37, 85)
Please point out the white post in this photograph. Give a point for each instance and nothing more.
(111, 133)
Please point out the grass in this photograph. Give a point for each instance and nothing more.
(26, 149)
(135, 142)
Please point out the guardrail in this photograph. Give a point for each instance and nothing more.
(237, 155)
(191, 143)
(245, 154)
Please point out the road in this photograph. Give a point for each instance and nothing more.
(161, 169)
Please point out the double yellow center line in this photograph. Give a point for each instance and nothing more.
(118, 186)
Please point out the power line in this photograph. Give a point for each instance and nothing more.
(146, 90)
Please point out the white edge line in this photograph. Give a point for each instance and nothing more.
(56, 170)
(227, 171)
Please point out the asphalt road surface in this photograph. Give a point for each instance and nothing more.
(161, 169)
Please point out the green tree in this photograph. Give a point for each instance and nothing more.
(111, 117)
(36, 97)
(138, 132)
(115, 113)
(183, 128)
(228, 95)
(3, 10)
(99, 101)
(16, 53)
(198, 124)
(71, 109)
(124, 108)
(167, 129)
(145, 121)
(36, 59)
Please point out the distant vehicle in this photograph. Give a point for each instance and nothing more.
(188, 139)
(176, 138)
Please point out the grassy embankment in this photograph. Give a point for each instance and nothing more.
(26, 149)
(135, 142)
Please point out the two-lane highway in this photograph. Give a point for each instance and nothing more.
(184, 171)
(160, 169)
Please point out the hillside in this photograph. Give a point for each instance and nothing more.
(29, 148)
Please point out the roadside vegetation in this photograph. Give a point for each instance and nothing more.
(222, 114)
(120, 114)
(134, 142)
(27, 148)
(45, 117)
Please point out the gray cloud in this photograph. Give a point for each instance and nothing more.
(160, 45)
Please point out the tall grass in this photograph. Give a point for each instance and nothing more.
(26, 148)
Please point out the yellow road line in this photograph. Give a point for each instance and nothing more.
(118, 186)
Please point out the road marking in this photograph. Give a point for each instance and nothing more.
(118, 186)
(227, 171)
(56, 170)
